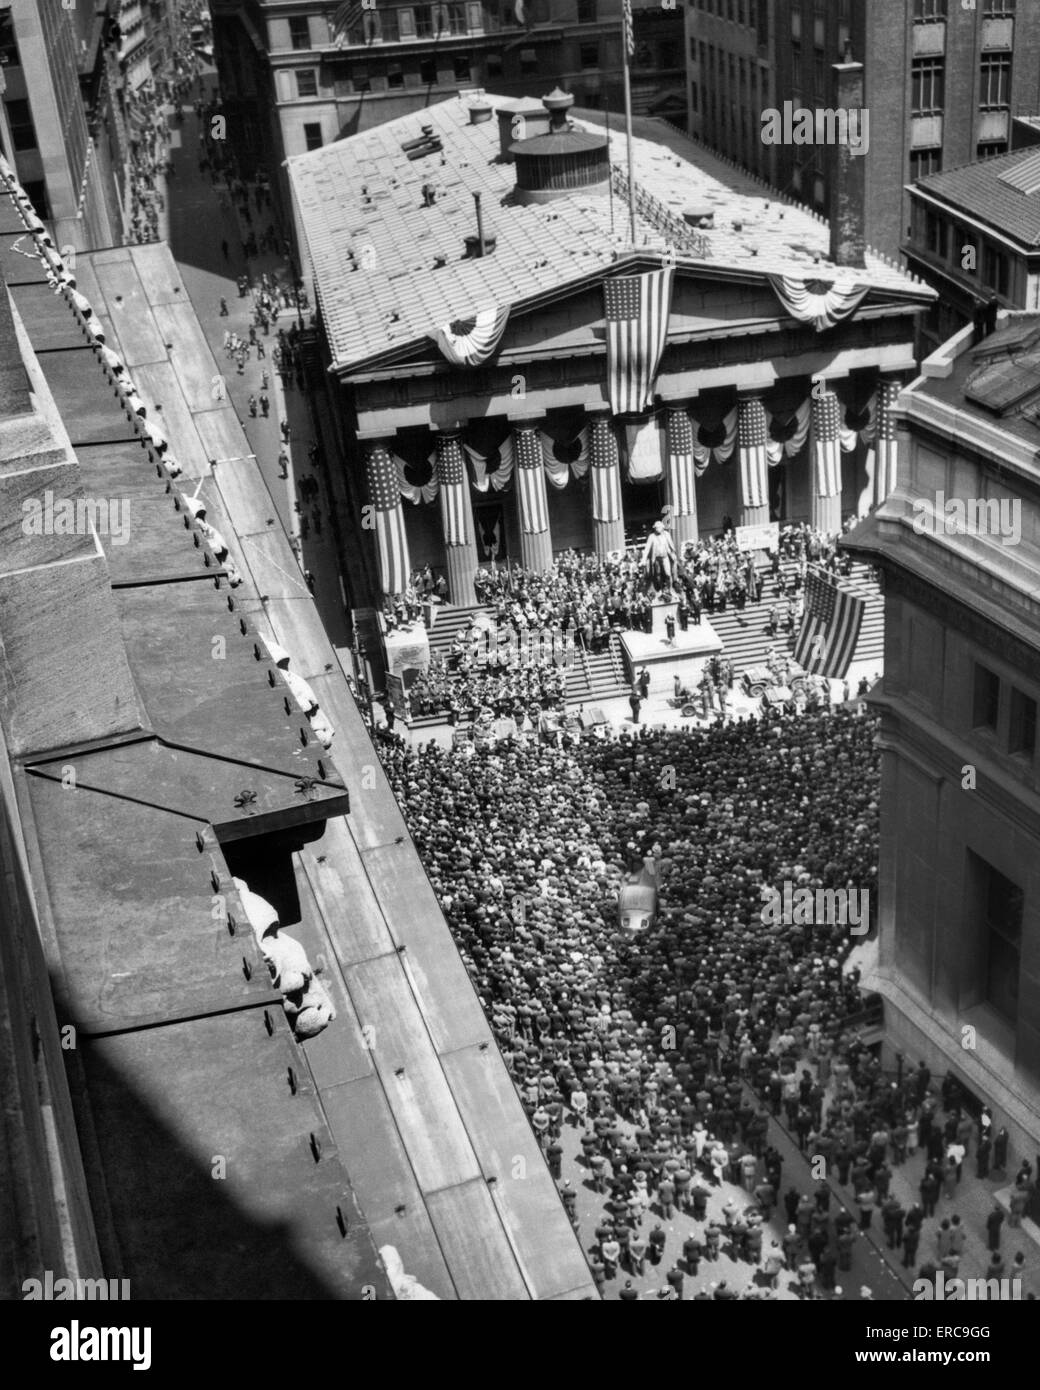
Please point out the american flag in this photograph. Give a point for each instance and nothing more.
(451, 473)
(752, 433)
(826, 427)
(680, 463)
(826, 641)
(391, 541)
(630, 40)
(347, 16)
(681, 467)
(886, 446)
(637, 329)
(530, 482)
(606, 475)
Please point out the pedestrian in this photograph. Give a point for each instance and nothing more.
(223, 307)
(224, 249)
(669, 627)
(252, 407)
(635, 702)
(283, 464)
(643, 682)
(994, 1221)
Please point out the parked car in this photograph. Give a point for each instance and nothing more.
(637, 902)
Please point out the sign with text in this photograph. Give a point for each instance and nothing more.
(765, 537)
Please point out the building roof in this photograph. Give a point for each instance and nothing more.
(362, 211)
(1003, 192)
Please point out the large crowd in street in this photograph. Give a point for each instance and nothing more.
(662, 1056)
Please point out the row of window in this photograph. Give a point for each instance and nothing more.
(433, 20)
(937, 9)
(948, 241)
(928, 84)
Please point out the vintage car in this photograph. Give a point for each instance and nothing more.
(755, 680)
(637, 902)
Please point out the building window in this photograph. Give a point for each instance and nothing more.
(694, 97)
(925, 162)
(428, 72)
(935, 235)
(493, 64)
(457, 19)
(462, 65)
(587, 11)
(528, 61)
(929, 9)
(306, 83)
(927, 86)
(8, 43)
(395, 75)
(994, 9)
(312, 135)
(986, 149)
(1003, 902)
(996, 270)
(1022, 732)
(360, 78)
(995, 89)
(23, 134)
(300, 31)
(424, 21)
(986, 702)
(588, 55)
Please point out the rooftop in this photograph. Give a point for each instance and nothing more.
(363, 213)
(1003, 192)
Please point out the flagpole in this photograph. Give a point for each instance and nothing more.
(627, 45)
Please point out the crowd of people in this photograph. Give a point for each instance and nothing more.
(664, 1054)
(514, 687)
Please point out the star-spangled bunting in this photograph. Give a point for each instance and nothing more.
(681, 466)
(827, 638)
(752, 431)
(391, 541)
(826, 425)
(451, 471)
(636, 311)
(530, 482)
(606, 475)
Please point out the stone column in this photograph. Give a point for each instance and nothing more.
(682, 477)
(536, 551)
(608, 523)
(384, 493)
(825, 455)
(460, 547)
(752, 436)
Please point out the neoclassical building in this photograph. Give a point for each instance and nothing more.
(520, 362)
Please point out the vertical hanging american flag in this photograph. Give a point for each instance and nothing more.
(826, 427)
(451, 473)
(530, 483)
(636, 309)
(391, 541)
(752, 430)
(826, 641)
(681, 467)
(886, 446)
(347, 16)
(606, 473)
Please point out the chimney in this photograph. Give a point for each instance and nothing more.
(480, 227)
(558, 103)
(848, 171)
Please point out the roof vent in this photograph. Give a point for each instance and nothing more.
(480, 112)
(519, 123)
(562, 161)
(701, 217)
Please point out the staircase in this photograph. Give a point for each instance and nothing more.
(446, 627)
(746, 640)
(597, 675)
